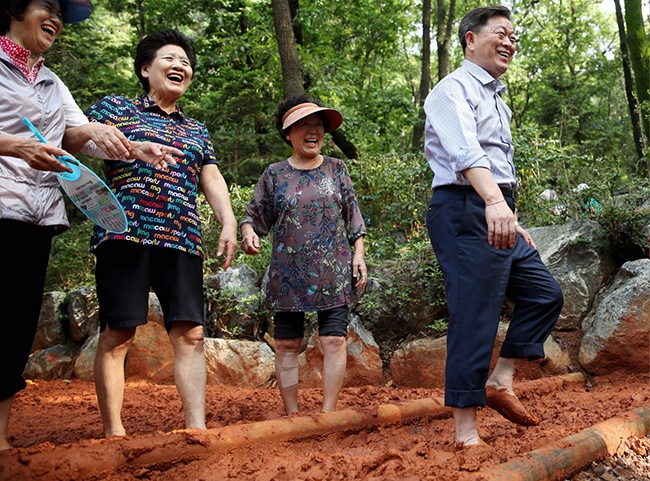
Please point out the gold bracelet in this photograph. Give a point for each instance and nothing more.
(495, 202)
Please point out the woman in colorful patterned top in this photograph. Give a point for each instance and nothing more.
(163, 246)
(308, 204)
(32, 208)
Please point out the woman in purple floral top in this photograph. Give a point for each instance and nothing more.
(308, 204)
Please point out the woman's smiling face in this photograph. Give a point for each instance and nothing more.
(169, 73)
(306, 135)
(41, 24)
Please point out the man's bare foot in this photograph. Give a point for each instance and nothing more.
(470, 441)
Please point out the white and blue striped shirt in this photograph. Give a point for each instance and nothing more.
(467, 126)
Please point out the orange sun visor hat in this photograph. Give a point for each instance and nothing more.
(333, 118)
(75, 11)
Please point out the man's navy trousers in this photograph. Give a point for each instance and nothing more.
(477, 279)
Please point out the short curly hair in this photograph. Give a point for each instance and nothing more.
(145, 52)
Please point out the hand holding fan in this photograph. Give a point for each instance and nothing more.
(88, 192)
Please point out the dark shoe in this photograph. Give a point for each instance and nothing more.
(509, 407)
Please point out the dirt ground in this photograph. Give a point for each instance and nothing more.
(59, 418)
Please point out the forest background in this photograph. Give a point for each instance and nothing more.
(578, 87)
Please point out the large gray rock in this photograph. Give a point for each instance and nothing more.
(54, 362)
(50, 329)
(151, 355)
(238, 298)
(421, 363)
(83, 310)
(616, 329)
(238, 363)
(577, 254)
(364, 361)
(84, 364)
(617, 335)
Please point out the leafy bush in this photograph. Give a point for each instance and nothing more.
(411, 276)
(239, 198)
(405, 299)
(393, 193)
(229, 316)
(71, 263)
(625, 216)
(574, 175)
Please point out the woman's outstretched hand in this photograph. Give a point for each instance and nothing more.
(158, 155)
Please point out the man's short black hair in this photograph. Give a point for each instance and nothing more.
(476, 19)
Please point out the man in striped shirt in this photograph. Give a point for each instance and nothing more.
(484, 253)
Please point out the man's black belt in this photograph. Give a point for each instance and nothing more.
(506, 190)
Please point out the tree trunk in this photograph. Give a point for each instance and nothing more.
(292, 79)
(342, 142)
(141, 30)
(639, 47)
(291, 72)
(444, 33)
(635, 116)
(425, 76)
(297, 26)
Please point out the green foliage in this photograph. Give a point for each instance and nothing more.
(566, 78)
(586, 187)
(544, 163)
(227, 314)
(439, 326)
(407, 295)
(416, 264)
(71, 264)
(95, 57)
(239, 198)
(625, 216)
(361, 57)
(638, 42)
(393, 192)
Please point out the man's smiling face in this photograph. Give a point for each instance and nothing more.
(493, 46)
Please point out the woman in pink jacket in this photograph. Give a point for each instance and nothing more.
(32, 209)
